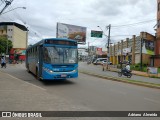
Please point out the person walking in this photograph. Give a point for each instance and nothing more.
(3, 62)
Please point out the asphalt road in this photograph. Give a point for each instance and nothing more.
(91, 93)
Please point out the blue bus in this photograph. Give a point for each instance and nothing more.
(52, 59)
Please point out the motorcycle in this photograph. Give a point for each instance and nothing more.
(125, 73)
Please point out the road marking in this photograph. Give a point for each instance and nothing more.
(25, 82)
(151, 100)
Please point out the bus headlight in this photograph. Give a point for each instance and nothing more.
(75, 70)
(48, 70)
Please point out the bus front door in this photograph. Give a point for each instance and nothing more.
(40, 61)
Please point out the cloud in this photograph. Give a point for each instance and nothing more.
(42, 16)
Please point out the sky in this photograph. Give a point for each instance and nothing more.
(127, 17)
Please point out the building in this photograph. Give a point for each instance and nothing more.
(130, 50)
(18, 34)
(156, 57)
(82, 54)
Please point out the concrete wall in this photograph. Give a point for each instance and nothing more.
(146, 59)
(19, 38)
(137, 58)
(157, 62)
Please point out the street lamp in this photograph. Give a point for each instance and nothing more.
(108, 36)
(141, 54)
(12, 10)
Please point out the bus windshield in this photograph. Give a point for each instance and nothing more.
(60, 55)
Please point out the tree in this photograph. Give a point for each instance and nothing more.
(3, 45)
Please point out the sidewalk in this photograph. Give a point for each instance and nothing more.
(97, 70)
(19, 95)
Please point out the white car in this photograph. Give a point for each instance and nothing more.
(98, 61)
(104, 62)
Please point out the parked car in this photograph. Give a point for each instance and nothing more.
(105, 61)
(98, 61)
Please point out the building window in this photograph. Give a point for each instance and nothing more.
(9, 29)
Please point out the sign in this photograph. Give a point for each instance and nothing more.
(97, 34)
(71, 32)
(126, 50)
(152, 70)
(148, 47)
(99, 51)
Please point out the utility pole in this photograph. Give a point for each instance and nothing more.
(88, 48)
(7, 4)
(7, 47)
(141, 52)
(108, 41)
(109, 30)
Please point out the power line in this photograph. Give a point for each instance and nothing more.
(138, 23)
(17, 15)
(7, 4)
(120, 35)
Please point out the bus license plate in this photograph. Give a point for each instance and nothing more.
(63, 75)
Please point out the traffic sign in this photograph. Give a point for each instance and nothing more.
(97, 34)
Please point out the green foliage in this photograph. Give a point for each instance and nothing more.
(144, 67)
(158, 69)
(153, 76)
(3, 45)
(136, 67)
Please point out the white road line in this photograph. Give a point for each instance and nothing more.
(25, 82)
(151, 100)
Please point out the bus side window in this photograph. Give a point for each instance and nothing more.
(46, 55)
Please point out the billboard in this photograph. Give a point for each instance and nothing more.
(71, 32)
(148, 47)
(99, 51)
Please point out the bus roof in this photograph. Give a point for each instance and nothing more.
(43, 41)
(60, 39)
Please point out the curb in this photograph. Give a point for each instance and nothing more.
(140, 83)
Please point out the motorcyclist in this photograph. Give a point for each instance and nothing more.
(127, 68)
